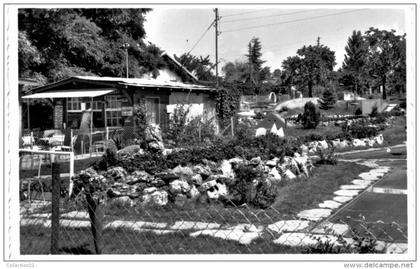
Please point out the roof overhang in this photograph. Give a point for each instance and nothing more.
(68, 94)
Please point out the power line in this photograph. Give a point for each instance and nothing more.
(263, 17)
(243, 13)
(201, 37)
(297, 20)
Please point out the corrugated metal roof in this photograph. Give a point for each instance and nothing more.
(68, 94)
(141, 82)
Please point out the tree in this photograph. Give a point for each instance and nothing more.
(254, 60)
(235, 72)
(355, 60)
(85, 42)
(200, 66)
(312, 66)
(311, 116)
(328, 100)
(386, 55)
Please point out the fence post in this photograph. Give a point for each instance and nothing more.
(71, 173)
(231, 127)
(55, 205)
(106, 133)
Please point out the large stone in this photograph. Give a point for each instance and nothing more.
(358, 143)
(193, 193)
(129, 150)
(314, 214)
(260, 132)
(289, 175)
(379, 139)
(288, 226)
(197, 179)
(226, 169)
(207, 185)
(369, 176)
(203, 171)
(122, 201)
(149, 190)
(342, 199)
(330, 204)
(179, 186)
(304, 149)
(274, 174)
(256, 161)
(289, 163)
(153, 138)
(343, 144)
(354, 187)
(332, 228)
(160, 197)
(323, 144)
(350, 193)
(302, 162)
(183, 170)
(236, 160)
(116, 173)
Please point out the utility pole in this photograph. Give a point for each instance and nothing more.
(216, 12)
(126, 46)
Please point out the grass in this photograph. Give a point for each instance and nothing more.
(36, 240)
(320, 130)
(397, 133)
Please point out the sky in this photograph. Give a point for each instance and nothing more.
(282, 31)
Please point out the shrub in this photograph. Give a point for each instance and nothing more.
(328, 100)
(326, 156)
(374, 112)
(358, 112)
(361, 130)
(310, 117)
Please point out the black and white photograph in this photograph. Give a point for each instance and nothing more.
(187, 132)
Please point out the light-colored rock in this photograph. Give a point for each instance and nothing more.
(361, 182)
(288, 226)
(330, 204)
(370, 142)
(208, 184)
(202, 170)
(149, 190)
(304, 149)
(160, 197)
(342, 199)
(244, 238)
(194, 225)
(193, 193)
(274, 174)
(236, 160)
(74, 215)
(350, 193)
(322, 144)
(183, 170)
(255, 160)
(226, 169)
(314, 214)
(271, 163)
(302, 162)
(336, 143)
(368, 176)
(332, 228)
(222, 189)
(358, 143)
(122, 201)
(289, 175)
(260, 132)
(379, 139)
(197, 179)
(280, 132)
(179, 186)
(343, 144)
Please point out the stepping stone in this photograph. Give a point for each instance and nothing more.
(332, 228)
(75, 224)
(342, 199)
(354, 187)
(233, 234)
(350, 193)
(75, 215)
(314, 214)
(288, 226)
(193, 225)
(368, 176)
(330, 204)
(247, 228)
(361, 182)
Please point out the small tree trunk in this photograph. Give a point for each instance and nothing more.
(383, 88)
(96, 215)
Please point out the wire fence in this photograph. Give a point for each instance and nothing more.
(60, 222)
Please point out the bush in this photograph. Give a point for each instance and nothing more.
(374, 112)
(361, 130)
(310, 117)
(358, 112)
(328, 100)
(326, 156)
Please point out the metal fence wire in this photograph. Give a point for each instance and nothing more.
(86, 224)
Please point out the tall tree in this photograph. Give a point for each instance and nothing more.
(386, 55)
(312, 66)
(236, 72)
(200, 66)
(254, 60)
(86, 42)
(355, 60)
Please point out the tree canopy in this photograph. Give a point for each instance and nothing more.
(199, 65)
(58, 43)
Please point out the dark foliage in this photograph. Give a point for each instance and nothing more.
(328, 100)
(311, 116)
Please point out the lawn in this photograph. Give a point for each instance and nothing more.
(36, 240)
(397, 133)
(320, 130)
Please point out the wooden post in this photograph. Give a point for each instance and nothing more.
(71, 173)
(232, 127)
(55, 206)
(96, 215)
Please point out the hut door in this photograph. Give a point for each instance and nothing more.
(152, 110)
